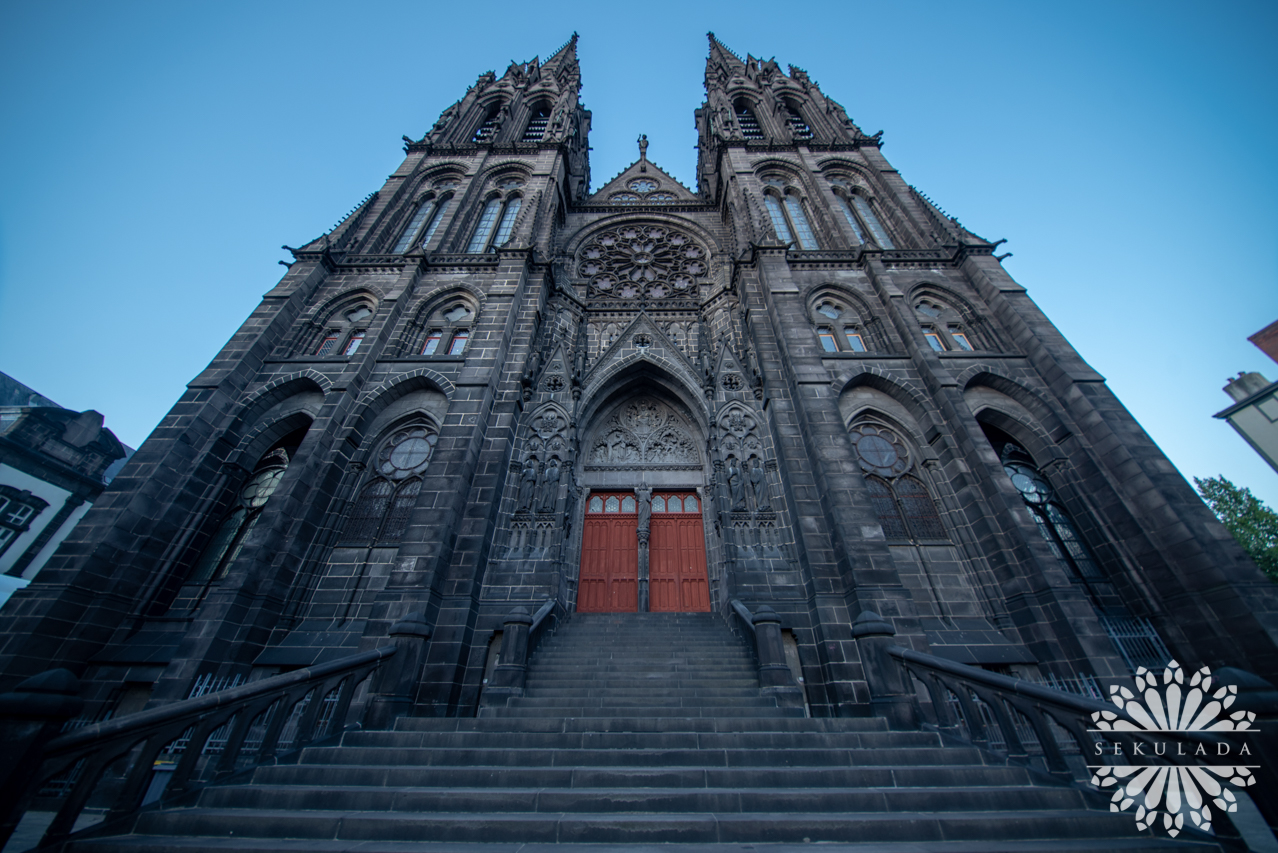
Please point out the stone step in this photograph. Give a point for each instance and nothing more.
(745, 691)
(578, 828)
(758, 757)
(655, 699)
(562, 776)
(643, 740)
(646, 711)
(182, 844)
(641, 724)
(650, 800)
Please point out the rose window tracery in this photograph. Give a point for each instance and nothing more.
(643, 262)
(642, 191)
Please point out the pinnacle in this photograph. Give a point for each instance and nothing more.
(721, 53)
(568, 50)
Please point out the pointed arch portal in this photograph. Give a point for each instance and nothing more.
(643, 544)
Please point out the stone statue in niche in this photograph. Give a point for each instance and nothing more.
(759, 485)
(736, 485)
(528, 483)
(549, 486)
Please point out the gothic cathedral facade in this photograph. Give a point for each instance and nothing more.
(796, 384)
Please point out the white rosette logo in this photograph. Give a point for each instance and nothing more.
(1173, 791)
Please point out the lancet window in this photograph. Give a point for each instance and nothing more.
(901, 501)
(381, 512)
(859, 213)
(243, 516)
(426, 218)
(497, 220)
(798, 126)
(789, 219)
(488, 128)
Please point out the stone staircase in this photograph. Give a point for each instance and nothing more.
(640, 732)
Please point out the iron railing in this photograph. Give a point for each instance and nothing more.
(131, 761)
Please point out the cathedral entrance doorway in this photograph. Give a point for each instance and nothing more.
(626, 547)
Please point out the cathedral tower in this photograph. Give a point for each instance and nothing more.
(797, 384)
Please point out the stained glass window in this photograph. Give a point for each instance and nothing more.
(628, 504)
(828, 343)
(419, 216)
(327, 345)
(802, 230)
(778, 219)
(960, 339)
(872, 222)
(612, 504)
(690, 504)
(353, 344)
(440, 210)
(934, 340)
(507, 222)
(487, 220)
(846, 207)
(458, 344)
(596, 504)
(432, 343)
(855, 342)
(658, 504)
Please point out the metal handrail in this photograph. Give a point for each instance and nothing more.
(295, 698)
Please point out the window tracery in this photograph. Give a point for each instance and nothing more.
(643, 262)
(859, 213)
(785, 209)
(943, 326)
(228, 540)
(1054, 524)
(642, 191)
(447, 329)
(498, 217)
(845, 333)
(380, 515)
(344, 330)
(901, 501)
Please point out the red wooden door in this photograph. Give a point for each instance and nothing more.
(677, 555)
(609, 579)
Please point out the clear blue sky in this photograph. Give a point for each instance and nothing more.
(156, 155)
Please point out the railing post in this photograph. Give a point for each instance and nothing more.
(775, 677)
(30, 716)
(891, 695)
(395, 682)
(508, 676)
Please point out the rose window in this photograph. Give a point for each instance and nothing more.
(880, 450)
(634, 262)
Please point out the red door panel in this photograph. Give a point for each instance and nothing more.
(609, 578)
(677, 555)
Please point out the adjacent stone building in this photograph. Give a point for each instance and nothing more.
(797, 383)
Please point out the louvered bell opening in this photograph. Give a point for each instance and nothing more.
(749, 125)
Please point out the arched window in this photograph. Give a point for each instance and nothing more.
(798, 127)
(381, 512)
(497, 219)
(1053, 522)
(788, 216)
(488, 128)
(344, 330)
(747, 122)
(425, 221)
(447, 329)
(943, 327)
(901, 501)
(847, 336)
(245, 512)
(537, 122)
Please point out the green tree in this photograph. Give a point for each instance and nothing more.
(1253, 524)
